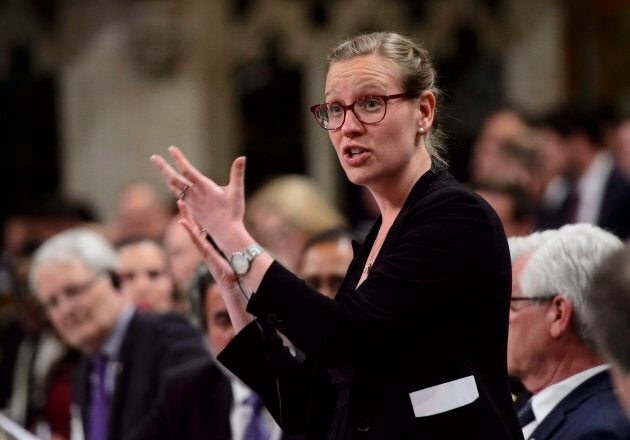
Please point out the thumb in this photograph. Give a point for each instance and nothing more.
(237, 177)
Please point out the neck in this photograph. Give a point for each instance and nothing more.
(562, 367)
(391, 196)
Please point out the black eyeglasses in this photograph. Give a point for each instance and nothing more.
(368, 110)
(539, 299)
(70, 292)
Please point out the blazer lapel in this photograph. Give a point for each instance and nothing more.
(120, 379)
(555, 419)
(81, 391)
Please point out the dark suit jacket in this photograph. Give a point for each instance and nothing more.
(434, 309)
(591, 411)
(152, 345)
(195, 402)
(614, 213)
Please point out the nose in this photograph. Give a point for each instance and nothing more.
(143, 282)
(351, 125)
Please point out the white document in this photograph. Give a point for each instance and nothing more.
(444, 397)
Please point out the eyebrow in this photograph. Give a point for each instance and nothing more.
(366, 89)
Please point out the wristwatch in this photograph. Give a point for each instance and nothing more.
(241, 261)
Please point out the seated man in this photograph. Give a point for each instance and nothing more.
(202, 400)
(126, 353)
(549, 347)
(325, 260)
(608, 302)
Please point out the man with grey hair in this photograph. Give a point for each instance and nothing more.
(126, 352)
(608, 303)
(549, 346)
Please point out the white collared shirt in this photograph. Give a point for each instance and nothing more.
(112, 345)
(591, 188)
(242, 412)
(546, 400)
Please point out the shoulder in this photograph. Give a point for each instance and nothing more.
(441, 208)
(167, 337)
(162, 325)
(597, 408)
(197, 374)
(443, 193)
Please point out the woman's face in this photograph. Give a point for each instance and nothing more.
(377, 154)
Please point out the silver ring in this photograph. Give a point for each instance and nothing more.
(183, 193)
(203, 231)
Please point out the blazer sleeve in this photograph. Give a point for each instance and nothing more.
(281, 380)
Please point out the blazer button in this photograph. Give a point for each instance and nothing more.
(272, 318)
(280, 325)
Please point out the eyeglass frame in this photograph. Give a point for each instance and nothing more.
(385, 98)
(540, 299)
(72, 291)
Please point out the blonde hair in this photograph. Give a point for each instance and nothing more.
(296, 199)
(416, 70)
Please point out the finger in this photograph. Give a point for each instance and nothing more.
(175, 182)
(237, 177)
(185, 167)
(215, 262)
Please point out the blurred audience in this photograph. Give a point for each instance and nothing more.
(549, 346)
(597, 191)
(608, 305)
(144, 275)
(142, 212)
(325, 260)
(183, 256)
(203, 400)
(286, 212)
(503, 150)
(513, 205)
(620, 144)
(125, 352)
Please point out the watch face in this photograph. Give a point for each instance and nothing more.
(239, 263)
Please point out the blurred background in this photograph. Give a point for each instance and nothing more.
(90, 89)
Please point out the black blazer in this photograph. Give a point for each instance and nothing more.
(434, 309)
(152, 345)
(591, 411)
(194, 403)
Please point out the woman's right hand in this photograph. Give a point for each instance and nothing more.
(218, 209)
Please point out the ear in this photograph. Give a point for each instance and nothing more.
(560, 316)
(426, 107)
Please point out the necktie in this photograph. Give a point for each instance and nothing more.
(256, 429)
(526, 414)
(99, 401)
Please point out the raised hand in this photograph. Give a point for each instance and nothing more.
(218, 209)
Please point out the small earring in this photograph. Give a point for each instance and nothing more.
(421, 130)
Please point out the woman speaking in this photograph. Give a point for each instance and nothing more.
(414, 344)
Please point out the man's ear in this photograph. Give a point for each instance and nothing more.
(560, 316)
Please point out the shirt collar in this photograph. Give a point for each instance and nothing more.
(111, 347)
(546, 400)
(240, 392)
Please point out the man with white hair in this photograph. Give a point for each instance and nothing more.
(549, 347)
(126, 353)
(608, 302)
